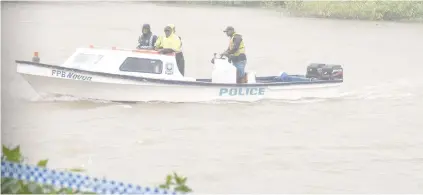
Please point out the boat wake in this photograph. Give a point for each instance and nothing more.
(64, 98)
(395, 90)
(365, 94)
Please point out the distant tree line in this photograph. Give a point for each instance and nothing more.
(231, 3)
(363, 10)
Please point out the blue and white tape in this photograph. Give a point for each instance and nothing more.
(75, 181)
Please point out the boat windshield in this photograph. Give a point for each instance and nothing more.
(86, 59)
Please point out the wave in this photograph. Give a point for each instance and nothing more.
(65, 98)
(394, 90)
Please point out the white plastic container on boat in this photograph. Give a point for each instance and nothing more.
(223, 72)
(251, 77)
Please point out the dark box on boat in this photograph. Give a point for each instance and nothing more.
(324, 71)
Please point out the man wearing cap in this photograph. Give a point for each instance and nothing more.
(174, 32)
(147, 40)
(159, 40)
(236, 53)
(171, 43)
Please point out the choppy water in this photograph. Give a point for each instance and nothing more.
(367, 140)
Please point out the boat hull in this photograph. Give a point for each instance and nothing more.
(86, 85)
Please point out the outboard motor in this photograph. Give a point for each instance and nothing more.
(325, 71)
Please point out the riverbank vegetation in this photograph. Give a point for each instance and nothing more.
(173, 182)
(361, 10)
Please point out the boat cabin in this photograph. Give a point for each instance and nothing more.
(143, 63)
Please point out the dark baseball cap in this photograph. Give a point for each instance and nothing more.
(168, 28)
(229, 28)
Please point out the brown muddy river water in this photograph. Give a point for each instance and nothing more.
(367, 140)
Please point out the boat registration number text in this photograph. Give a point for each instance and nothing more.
(70, 75)
(244, 91)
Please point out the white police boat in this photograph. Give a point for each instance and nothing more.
(146, 75)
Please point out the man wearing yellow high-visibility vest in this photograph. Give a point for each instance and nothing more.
(158, 43)
(236, 53)
(171, 43)
(174, 32)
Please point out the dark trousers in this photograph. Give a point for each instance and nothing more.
(180, 62)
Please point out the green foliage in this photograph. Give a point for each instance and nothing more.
(12, 155)
(42, 163)
(363, 10)
(76, 170)
(15, 186)
(176, 183)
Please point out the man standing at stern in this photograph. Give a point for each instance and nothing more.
(236, 53)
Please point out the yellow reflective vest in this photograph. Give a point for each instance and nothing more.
(241, 49)
(159, 42)
(171, 42)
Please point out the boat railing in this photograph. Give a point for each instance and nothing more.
(145, 51)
